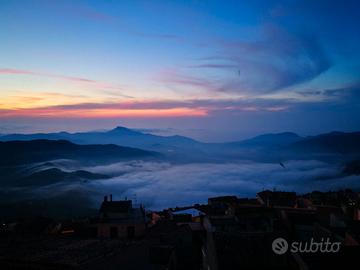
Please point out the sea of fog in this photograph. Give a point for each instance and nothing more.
(161, 185)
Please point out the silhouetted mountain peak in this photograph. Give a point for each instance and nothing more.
(64, 133)
(124, 131)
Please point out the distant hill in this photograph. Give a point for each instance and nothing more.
(352, 168)
(23, 152)
(266, 147)
(269, 140)
(119, 136)
(50, 176)
(334, 142)
(66, 204)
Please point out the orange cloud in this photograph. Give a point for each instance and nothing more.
(53, 105)
(33, 100)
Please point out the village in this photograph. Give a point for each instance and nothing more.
(226, 233)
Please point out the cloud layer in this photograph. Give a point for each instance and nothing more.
(160, 185)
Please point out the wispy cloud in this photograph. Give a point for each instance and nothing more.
(195, 107)
(87, 12)
(278, 60)
(79, 10)
(97, 111)
(349, 92)
(174, 77)
(216, 66)
(11, 71)
(275, 60)
(108, 88)
(146, 109)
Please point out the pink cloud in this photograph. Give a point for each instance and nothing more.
(29, 72)
(174, 78)
(12, 71)
(147, 109)
(16, 71)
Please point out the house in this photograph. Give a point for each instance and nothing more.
(277, 198)
(120, 219)
(331, 216)
(188, 214)
(218, 206)
(175, 245)
(238, 241)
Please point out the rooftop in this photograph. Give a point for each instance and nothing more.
(116, 206)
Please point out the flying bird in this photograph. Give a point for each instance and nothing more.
(282, 164)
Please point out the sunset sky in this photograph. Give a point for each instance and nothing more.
(212, 70)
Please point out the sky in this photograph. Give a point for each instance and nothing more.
(211, 70)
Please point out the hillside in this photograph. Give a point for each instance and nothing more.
(269, 140)
(49, 177)
(23, 152)
(334, 142)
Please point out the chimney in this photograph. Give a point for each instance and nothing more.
(110, 197)
(105, 198)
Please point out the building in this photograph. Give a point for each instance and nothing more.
(237, 241)
(174, 245)
(120, 219)
(277, 198)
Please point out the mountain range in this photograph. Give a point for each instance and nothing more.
(263, 147)
(119, 135)
(30, 163)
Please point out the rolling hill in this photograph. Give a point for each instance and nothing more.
(269, 140)
(333, 142)
(49, 177)
(25, 152)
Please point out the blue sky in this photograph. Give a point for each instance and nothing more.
(211, 70)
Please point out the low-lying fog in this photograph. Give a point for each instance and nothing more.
(160, 185)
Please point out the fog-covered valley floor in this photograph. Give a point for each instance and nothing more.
(62, 178)
(161, 184)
